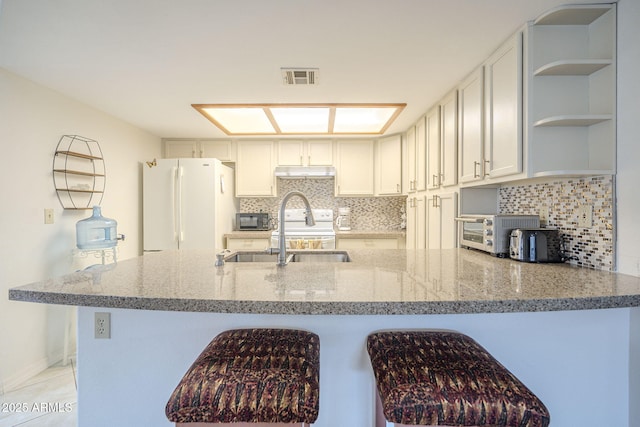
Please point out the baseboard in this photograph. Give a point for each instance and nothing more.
(15, 380)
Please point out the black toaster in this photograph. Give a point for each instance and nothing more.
(536, 245)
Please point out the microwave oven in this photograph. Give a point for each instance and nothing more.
(491, 233)
(253, 221)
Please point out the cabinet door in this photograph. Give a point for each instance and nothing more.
(416, 222)
(503, 110)
(290, 153)
(389, 166)
(470, 125)
(448, 226)
(432, 124)
(442, 228)
(411, 222)
(421, 222)
(217, 149)
(354, 171)
(449, 146)
(254, 170)
(320, 153)
(421, 154)
(411, 159)
(180, 148)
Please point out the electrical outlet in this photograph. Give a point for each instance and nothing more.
(585, 216)
(48, 216)
(543, 213)
(102, 325)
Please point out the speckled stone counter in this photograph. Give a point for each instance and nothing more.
(374, 282)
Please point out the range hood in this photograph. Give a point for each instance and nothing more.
(305, 171)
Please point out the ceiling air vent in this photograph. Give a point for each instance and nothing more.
(300, 76)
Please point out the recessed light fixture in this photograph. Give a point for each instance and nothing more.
(301, 119)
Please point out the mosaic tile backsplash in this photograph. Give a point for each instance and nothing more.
(588, 247)
(367, 213)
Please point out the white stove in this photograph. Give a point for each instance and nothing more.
(300, 236)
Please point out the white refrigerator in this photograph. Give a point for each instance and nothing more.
(187, 204)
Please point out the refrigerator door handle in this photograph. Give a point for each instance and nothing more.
(180, 224)
(174, 216)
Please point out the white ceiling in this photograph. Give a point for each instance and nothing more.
(147, 61)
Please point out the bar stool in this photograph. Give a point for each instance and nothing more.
(251, 378)
(445, 378)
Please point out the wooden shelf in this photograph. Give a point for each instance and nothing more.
(573, 120)
(72, 190)
(572, 67)
(79, 155)
(578, 14)
(72, 172)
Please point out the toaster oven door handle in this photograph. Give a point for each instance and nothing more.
(464, 219)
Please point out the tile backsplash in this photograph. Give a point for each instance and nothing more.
(590, 247)
(367, 213)
(587, 246)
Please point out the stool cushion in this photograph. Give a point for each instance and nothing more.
(444, 378)
(251, 375)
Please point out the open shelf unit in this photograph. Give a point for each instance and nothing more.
(572, 77)
(79, 174)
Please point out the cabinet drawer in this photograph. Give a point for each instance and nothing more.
(235, 243)
(376, 243)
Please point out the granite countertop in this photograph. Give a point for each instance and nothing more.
(393, 281)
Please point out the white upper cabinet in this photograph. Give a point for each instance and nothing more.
(205, 148)
(470, 127)
(449, 136)
(389, 166)
(433, 142)
(503, 110)
(421, 155)
(354, 168)
(410, 160)
(255, 169)
(571, 98)
(305, 153)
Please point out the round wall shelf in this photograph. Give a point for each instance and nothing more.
(79, 174)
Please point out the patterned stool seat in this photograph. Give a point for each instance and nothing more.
(444, 378)
(252, 376)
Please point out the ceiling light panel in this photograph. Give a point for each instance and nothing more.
(241, 120)
(301, 119)
(362, 119)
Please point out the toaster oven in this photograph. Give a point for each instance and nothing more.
(491, 233)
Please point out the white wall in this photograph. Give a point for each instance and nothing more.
(32, 120)
(628, 110)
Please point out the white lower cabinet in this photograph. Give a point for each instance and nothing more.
(416, 222)
(241, 243)
(442, 210)
(370, 243)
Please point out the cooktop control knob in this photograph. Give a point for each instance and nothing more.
(488, 242)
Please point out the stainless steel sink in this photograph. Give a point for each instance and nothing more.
(339, 256)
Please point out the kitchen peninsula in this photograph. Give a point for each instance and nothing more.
(563, 330)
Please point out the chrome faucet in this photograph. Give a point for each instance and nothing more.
(282, 244)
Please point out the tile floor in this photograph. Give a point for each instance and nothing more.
(48, 399)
